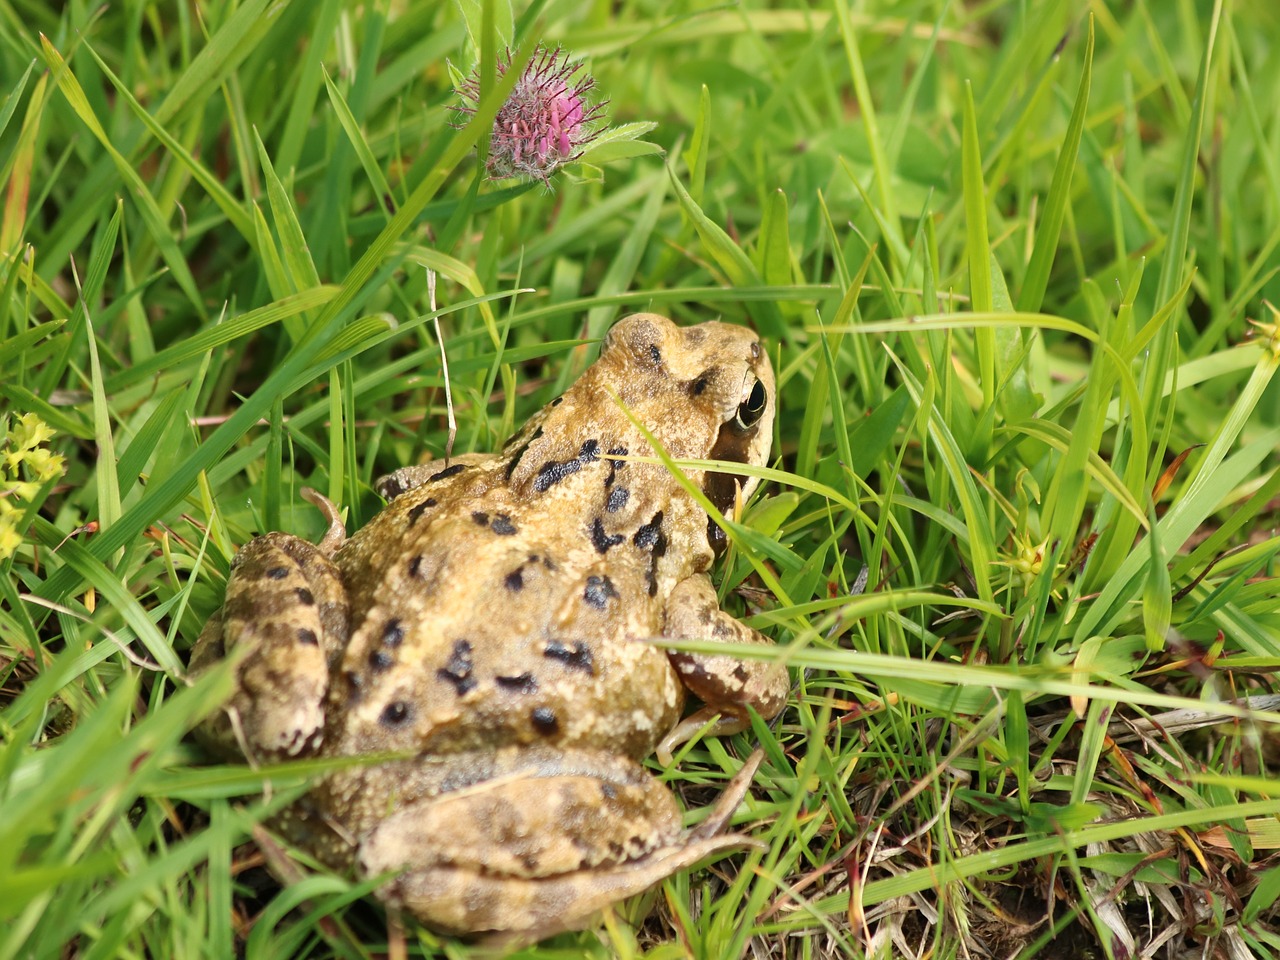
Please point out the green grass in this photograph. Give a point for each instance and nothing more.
(1004, 254)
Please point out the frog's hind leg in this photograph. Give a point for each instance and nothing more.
(286, 616)
(543, 846)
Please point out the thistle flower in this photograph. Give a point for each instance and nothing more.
(544, 123)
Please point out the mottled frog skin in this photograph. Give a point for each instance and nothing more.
(493, 626)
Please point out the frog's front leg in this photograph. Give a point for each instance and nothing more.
(526, 843)
(397, 482)
(726, 684)
(286, 615)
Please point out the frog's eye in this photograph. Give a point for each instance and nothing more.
(751, 409)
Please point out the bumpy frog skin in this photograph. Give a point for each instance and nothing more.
(493, 624)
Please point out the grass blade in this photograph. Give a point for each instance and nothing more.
(1031, 297)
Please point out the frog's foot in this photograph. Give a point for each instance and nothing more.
(726, 684)
(336, 535)
(542, 848)
(286, 616)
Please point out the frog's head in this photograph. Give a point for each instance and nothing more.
(706, 392)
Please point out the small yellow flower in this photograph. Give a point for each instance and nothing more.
(44, 464)
(10, 539)
(23, 444)
(30, 432)
(24, 489)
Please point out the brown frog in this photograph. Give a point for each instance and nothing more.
(492, 627)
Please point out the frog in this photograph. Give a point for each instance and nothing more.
(486, 646)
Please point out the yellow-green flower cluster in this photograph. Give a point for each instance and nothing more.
(25, 466)
(1027, 560)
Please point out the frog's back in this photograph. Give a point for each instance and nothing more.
(499, 618)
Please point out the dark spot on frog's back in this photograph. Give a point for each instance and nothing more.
(545, 721)
(380, 660)
(650, 536)
(575, 655)
(415, 566)
(655, 354)
(278, 573)
(308, 638)
(653, 538)
(306, 597)
(480, 518)
(615, 465)
(553, 471)
(418, 509)
(699, 385)
(457, 670)
(355, 686)
(618, 497)
(599, 591)
(393, 633)
(390, 487)
(503, 526)
(521, 683)
(514, 581)
(447, 472)
(601, 540)
(395, 714)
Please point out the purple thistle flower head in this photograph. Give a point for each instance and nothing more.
(544, 123)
